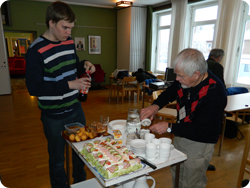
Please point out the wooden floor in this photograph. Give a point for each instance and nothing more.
(24, 158)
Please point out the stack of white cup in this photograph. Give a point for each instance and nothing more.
(157, 142)
(165, 149)
(151, 151)
(149, 137)
(143, 132)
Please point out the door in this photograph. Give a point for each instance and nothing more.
(5, 86)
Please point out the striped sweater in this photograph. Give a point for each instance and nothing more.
(49, 67)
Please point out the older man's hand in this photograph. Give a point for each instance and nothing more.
(159, 128)
(149, 112)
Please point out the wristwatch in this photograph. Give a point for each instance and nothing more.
(169, 129)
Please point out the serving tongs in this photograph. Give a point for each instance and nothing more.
(147, 162)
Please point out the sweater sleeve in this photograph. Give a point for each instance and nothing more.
(167, 96)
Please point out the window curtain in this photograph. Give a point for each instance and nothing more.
(148, 38)
(179, 8)
(227, 35)
(138, 38)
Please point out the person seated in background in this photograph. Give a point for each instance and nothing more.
(217, 69)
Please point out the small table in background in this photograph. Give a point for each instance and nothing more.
(237, 105)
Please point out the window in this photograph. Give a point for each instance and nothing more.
(162, 37)
(203, 20)
(243, 76)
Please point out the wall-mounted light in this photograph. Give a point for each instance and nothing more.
(124, 4)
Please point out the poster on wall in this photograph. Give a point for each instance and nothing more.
(94, 44)
(80, 43)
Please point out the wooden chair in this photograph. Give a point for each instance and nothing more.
(129, 84)
(165, 114)
(113, 85)
(160, 76)
(150, 98)
(245, 160)
(171, 105)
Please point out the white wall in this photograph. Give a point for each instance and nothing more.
(5, 87)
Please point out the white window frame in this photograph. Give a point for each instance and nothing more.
(246, 18)
(192, 8)
(155, 33)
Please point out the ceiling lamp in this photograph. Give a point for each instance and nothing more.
(124, 4)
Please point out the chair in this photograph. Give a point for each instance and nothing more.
(10, 61)
(113, 82)
(245, 160)
(150, 98)
(17, 66)
(99, 75)
(129, 84)
(160, 76)
(172, 105)
(165, 114)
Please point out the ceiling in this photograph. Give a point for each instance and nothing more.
(110, 3)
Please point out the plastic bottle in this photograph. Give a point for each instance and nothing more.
(83, 93)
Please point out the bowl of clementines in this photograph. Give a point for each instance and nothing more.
(77, 132)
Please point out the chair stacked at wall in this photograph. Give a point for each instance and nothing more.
(245, 160)
(17, 65)
(99, 75)
(129, 84)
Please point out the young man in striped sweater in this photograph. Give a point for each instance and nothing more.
(52, 67)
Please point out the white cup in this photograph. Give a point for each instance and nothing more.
(143, 132)
(151, 147)
(151, 159)
(164, 154)
(149, 137)
(151, 155)
(165, 147)
(165, 140)
(156, 141)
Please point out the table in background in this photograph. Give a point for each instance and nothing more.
(111, 78)
(176, 158)
(236, 104)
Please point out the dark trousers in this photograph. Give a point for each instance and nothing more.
(56, 148)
